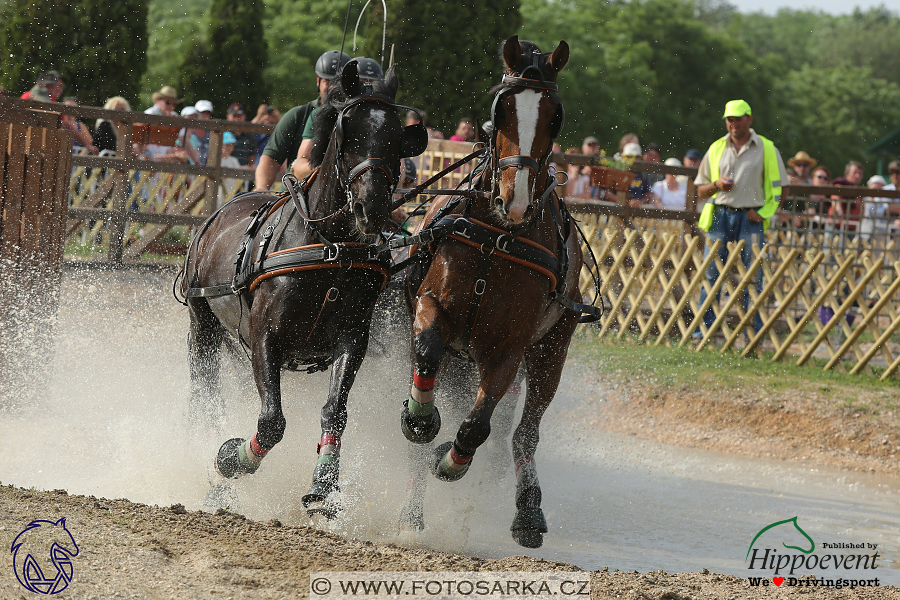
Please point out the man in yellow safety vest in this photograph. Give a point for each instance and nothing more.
(741, 174)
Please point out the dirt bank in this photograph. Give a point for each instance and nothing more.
(129, 550)
(816, 426)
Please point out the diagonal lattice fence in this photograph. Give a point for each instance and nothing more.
(821, 302)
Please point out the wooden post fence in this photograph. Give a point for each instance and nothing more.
(34, 168)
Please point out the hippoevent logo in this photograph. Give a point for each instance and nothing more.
(42, 556)
(849, 570)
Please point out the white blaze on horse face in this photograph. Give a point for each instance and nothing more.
(527, 112)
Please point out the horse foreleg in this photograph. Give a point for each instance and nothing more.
(350, 351)
(240, 456)
(420, 420)
(452, 459)
(204, 353)
(543, 363)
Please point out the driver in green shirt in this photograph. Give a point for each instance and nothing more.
(286, 139)
(369, 70)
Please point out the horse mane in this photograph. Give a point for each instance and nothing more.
(326, 117)
(528, 49)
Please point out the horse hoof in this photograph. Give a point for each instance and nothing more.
(321, 506)
(419, 430)
(325, 481)
(228, 464)
(528, 527)
(528, 538)
(441, 469)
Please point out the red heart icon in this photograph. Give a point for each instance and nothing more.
(778, 580)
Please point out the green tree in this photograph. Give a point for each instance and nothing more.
(174, 26)
(99, 45)
(228, 66)
(448, 53)
(648, 67)
(836, 113)
(290, 74)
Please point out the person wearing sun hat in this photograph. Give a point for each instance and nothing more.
(164, 102)
(803, 164)
(742, 174)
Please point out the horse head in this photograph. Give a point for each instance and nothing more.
(526, 117)
(358, 143)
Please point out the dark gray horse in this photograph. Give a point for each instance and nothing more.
(311, 277)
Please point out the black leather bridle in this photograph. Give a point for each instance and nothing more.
(531, 78)
(413, 141)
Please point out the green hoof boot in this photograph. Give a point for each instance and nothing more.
(528, 527)
(419, 430)
(228, 460)
(325, 481)
(440, 464)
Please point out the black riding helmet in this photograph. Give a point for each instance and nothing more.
(368, 68)
(330, 64)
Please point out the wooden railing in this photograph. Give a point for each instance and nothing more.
(105, 190)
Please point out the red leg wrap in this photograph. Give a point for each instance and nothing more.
(329, 439)
(423, 383)
(457, 458)
(257, 449)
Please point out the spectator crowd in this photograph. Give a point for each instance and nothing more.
(867, 216)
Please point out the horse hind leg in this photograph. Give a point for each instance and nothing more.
(543, 363)
(205, 406)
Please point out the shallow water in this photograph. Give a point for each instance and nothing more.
(111, 423)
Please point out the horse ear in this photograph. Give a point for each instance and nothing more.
(512, 52)
(560, 57)
(350, 80)
(392, 81)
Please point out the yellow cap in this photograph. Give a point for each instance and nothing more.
(736, 108)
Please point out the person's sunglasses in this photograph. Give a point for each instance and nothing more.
(169, 103)
(894, 172)
(821, 177)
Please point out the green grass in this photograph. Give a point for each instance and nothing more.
(678, 367)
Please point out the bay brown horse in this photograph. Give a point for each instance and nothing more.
(499, 287)
(310, 280)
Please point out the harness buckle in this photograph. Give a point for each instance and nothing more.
(480, 284)
(461, 228)
(502, 243)
(332, 253)
(266, 235)
(332, 294)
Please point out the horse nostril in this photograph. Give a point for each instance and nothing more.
(498, 202)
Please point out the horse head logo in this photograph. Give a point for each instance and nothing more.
(793, 520)
(30, 549)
